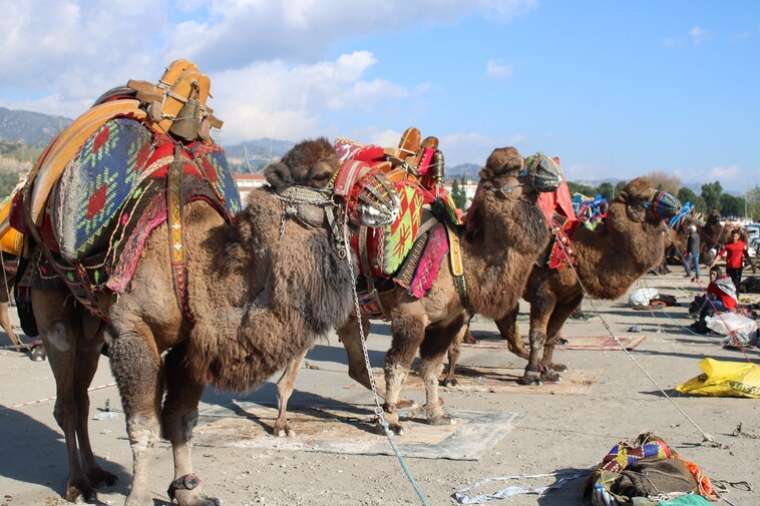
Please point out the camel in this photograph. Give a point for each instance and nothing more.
(260, 291)
(609, 260)
(505, 233)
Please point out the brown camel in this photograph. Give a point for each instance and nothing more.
(609, 260)
(504, 236)
(260, 291)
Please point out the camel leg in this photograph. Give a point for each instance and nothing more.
(180, 415)
(5, 323)
(509, 330)
(357, 368)
(136, 366)
(540, 312)
(284, 390)
(454, 352)
(561, 313)
(55, 319)
(88, 356)
(408, 331)
(437, 340)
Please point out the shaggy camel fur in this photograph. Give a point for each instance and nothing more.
(609, 260)
(505, 234)
(259, 296)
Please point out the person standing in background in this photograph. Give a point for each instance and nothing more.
(735, 253)
(692, 253)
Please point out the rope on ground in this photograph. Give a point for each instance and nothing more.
(50, 399)
(707, 439)
(463, 497)
(378, 408)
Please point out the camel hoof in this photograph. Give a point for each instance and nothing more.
(80, 488)
(99, 478)
(558, 367)
(449, 382)
(195, 498)
(550, 376)
(530, 378)
(284, 432)
(396, 429)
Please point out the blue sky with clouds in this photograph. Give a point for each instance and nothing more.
(615, 88)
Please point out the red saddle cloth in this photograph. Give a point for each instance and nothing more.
(557, 208)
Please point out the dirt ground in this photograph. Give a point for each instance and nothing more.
(552, 432)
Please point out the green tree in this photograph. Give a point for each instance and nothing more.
(606, 190)
(711, 193)
(583, 189)
(8, 181)
(731, 206)
(753, 203)
(458, 193)
(686, 195)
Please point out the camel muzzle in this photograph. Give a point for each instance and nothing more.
(541, 173)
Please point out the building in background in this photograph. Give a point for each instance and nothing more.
(246, 182)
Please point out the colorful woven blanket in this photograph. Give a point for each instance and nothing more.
(113, 165)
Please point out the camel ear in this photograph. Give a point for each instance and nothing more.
(278, 175)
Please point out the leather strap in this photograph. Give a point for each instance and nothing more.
(457, 266)
(176, 242)
(186, 482)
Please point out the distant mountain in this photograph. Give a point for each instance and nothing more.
(254, 155)
(32, 128)
(466, 170)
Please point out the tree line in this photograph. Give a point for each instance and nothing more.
(711, 196)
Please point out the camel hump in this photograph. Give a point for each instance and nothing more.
(308, 163)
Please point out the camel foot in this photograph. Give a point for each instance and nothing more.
(80, 487)
(187, 491)
(556, 367)
(99, 478)
(449, 382)
(396, 429)
(283, 430)
(530, 378)
(139, 500)
(550, 376)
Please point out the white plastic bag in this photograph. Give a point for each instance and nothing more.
(641, 297)
(739, 329)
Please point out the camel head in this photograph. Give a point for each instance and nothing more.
(643, 203)
(509, 176)
(305, 179)
(505, 202)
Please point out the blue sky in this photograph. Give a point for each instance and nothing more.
(616, 89)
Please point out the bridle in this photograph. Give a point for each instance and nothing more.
(298, 199)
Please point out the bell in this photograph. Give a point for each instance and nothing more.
(188, 122)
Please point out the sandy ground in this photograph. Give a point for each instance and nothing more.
(552, 432)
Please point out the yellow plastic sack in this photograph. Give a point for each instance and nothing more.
(722, 378)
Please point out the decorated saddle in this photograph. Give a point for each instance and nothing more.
(115, 174)
(560, 217)
(409, 251)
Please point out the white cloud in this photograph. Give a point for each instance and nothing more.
(239, 31)
(473, 147)
(698, 35)
(385, 138)
(498, 70)
(274, 99)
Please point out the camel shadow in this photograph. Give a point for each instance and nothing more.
(571, 492)
(301, 403)
(336, 354)
(32, 444)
